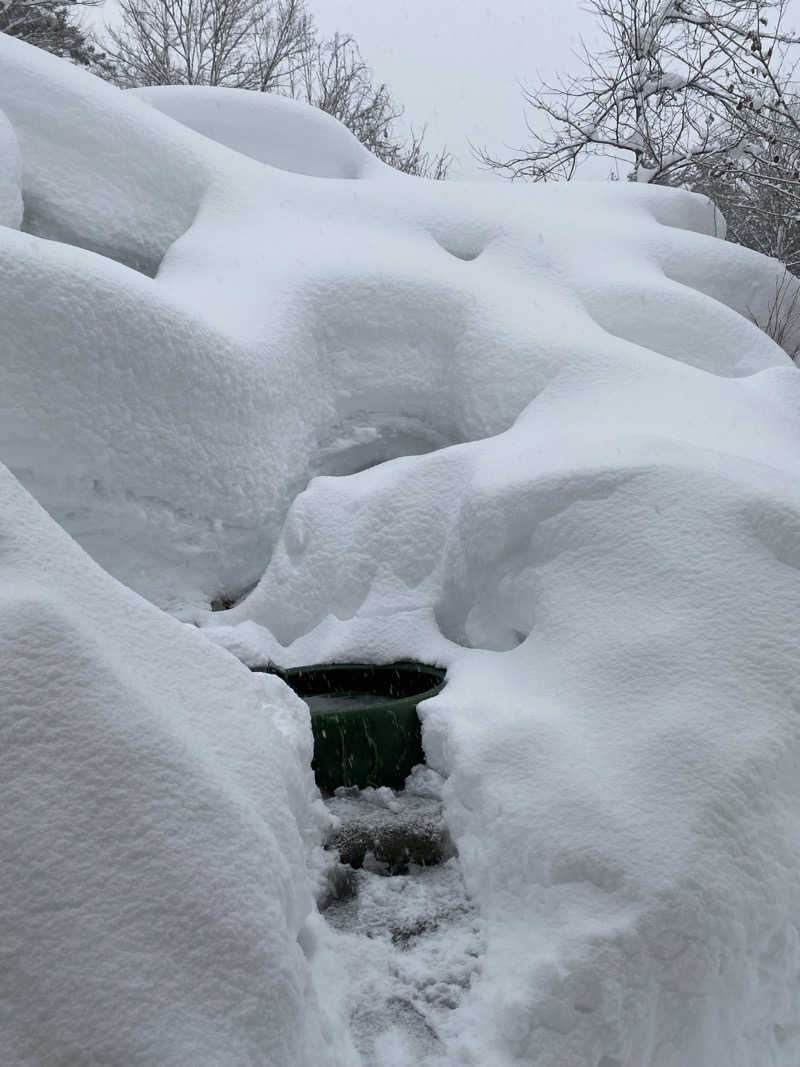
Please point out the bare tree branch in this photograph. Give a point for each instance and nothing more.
(678, 83)
(270, 46)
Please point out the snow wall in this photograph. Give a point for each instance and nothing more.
(578, 490)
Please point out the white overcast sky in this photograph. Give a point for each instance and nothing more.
(456, 64)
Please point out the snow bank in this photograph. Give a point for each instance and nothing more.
(605, 558)
(616, 609)
(296, 325)
(10, 176)
(99, 170)
(153, 891)
(284, 133)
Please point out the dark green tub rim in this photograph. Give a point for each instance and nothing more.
(407, 666)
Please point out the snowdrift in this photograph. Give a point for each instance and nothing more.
(246, 328)
(155, 794)
(553, 452)
(284, 133)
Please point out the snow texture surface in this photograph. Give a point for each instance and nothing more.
(553, 452)
(284, 133)
(10, 176)
(155, 795)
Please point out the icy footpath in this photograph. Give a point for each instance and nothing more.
(605, 558)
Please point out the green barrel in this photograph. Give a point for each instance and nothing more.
(364, 719)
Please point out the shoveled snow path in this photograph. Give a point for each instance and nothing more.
(410, 946)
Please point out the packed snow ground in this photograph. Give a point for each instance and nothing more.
(411, 942)
(587, 507)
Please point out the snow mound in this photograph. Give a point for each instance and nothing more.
(590, 515)
(10, 176)
(284, 133)
(153, 885)
(619, 729)
(292, 326)
(99, 169)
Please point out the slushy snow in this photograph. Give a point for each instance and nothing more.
(532, 434)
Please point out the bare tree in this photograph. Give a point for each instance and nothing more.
(283, 37)
(752, 194)
(336, 79)
(412, 157)
(269, 46)
(246, 44)
(678, 85)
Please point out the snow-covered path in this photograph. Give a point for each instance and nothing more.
(410, 944)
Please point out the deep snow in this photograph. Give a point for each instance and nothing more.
(276, 130)
(605, 558)
(153, 889)
(298, 326)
